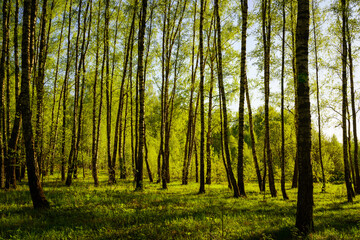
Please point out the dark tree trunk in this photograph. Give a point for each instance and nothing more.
(222, 147)
(5, 112)
(283, 189)
(117, 150)
(353, 111)
(54, 126)
(147, 162)
(15, 133)
(202, 107)
(2, 80)
(76, 127)
(36, 191)
(209, 130)
(344, 9)
(189, 142)
(96, 124)
(132, 142)
(266, 31)
(295, 178)
(304, 213)
(111, 165)
(140, 157)
(65, 86)
(17, 75)
(82, 74)
(40, 89)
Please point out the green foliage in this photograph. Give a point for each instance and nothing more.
(117, 212)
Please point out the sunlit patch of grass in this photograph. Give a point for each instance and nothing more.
(83, 211)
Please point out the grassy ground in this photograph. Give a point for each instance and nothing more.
(117, 212)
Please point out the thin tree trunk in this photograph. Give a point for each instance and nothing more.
(118, 127)
(7, 96)
(295, 178)
(15, 133)
(2, 79)
(222, 146)
(53, 136)
(17, 81)
(68, 61)
(349, 189)
(192, 140)
(353, 111)
(352, 170)
(147, 162)
(74, 135)
(82, 73)
(209, 130)
(202, 107)
(266, 31)
(318, 97)
(222, 94)
(10, 153)
(40, 88)
(283, 189)
(196, 163)
(187, 155)
(111, 166)
(123, 171)
(145, 71)
(252, 136)
(96, 128)
(131, 111)
(240, 167)
(265, 167)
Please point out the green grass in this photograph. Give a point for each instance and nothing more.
(117, 212)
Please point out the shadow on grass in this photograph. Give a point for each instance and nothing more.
(117, 212)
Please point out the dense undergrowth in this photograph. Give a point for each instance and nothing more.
(117, 212)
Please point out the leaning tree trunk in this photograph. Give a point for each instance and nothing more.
(318, 96)
(304, 213)
(223, 99)
(36, 191)
(252, 136)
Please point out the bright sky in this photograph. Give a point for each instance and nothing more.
(330, 125)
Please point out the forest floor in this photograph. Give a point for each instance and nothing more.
(117, 212)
